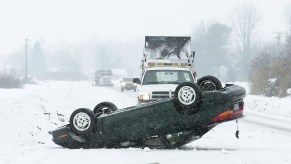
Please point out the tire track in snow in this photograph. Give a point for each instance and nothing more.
(278, 123)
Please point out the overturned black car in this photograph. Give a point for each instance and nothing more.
(167, 123)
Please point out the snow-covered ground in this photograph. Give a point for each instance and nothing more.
(26, 116)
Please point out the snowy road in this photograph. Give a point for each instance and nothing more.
(277, 123)
(27, 114)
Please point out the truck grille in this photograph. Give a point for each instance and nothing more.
(162, 94)
(106, 80)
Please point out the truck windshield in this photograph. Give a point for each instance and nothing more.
(105, 74)
(167, 77)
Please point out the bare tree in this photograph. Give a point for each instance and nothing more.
(288, 38)
(212, 43)
(288, 14)
(201, 30)
(102, 57)
(244, 21)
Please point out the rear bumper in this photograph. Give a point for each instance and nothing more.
(226, 105)
(105, 84)
(231, 93)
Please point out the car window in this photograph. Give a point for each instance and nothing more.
(187, 76)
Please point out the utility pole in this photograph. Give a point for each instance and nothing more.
(279, 38)
(26, 50)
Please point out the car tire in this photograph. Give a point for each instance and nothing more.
(104, 108)
(187, 98)
(82, 121)
(209, 83)
(122, 89)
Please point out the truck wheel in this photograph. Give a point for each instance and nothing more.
(104, 108)
(122, 89)
(82, 121)
(209, 83)
(187, 98)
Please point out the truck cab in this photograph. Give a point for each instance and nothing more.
(167, 62)
(161, 82)
(103, 78)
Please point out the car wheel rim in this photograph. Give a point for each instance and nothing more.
(207, 85)
(103, 110)
(186, 95)
(82, 121)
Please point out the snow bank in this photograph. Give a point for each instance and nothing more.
(28, 114)
(271, 105)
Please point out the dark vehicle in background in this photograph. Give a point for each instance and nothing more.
(167, 123)
(103, 78)
(127, 84)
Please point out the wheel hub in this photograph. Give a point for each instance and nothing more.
(207, 85)
(186, 95)
(81, 121)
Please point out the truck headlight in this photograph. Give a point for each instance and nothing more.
(123, 84)
(144, 97)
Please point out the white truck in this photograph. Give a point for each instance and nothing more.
(167, 61)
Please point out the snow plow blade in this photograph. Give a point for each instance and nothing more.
(165, 47)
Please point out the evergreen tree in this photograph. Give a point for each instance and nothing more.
(212, 49)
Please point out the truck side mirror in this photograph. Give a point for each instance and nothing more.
(136, 80)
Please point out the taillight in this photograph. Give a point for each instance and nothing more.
(235, 111)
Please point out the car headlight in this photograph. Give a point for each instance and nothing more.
(123, 84)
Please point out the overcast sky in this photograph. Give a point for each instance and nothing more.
(75, 20)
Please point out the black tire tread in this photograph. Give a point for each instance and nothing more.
(105, 104)
(214, 79)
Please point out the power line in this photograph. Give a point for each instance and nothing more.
(26, 51)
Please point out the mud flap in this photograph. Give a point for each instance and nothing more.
(237, 131)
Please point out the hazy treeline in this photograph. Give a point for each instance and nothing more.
(231, 51)
(271, 70)
(71, 61)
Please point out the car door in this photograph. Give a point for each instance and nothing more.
(166, 117)
(170, 120)
(131, 123)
